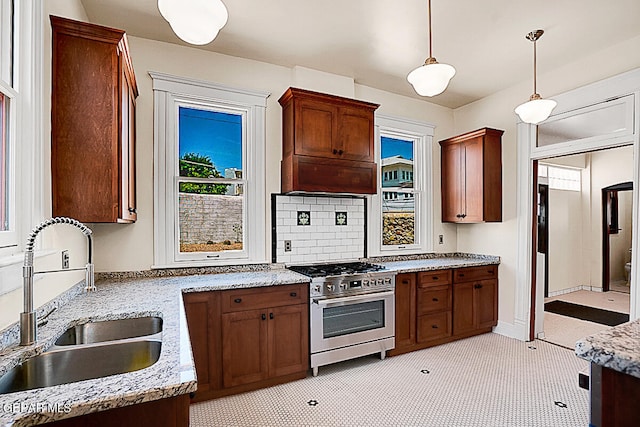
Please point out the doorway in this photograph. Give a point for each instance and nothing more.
(570, 261)
(617, 202)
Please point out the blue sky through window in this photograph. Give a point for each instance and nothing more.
(211, 133)
(396, 147)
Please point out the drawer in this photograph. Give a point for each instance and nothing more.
(263, 297)
(434, 299)
(434, 278)
(470, 274)
(434, 326)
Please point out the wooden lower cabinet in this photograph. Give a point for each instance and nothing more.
(169, 412)
(247, 339)
(436, 307)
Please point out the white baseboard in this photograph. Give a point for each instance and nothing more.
(511, 330)
(574, 289)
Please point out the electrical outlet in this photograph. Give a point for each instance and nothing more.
(65, 260)
(440, 239)
(287, 245)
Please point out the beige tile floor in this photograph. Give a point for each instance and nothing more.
(565, 331)
(485, 381)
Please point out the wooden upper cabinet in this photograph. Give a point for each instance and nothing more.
(327, 143)
(471, 167)
(92, 123)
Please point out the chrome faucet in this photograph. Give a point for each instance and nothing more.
(28, 324)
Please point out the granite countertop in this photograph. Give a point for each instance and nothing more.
(134, 295)
(408, 266)
(174, 372)
(617, 348)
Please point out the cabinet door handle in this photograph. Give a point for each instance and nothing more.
(264, 316)
(477, 286)
(340, 152)
(293, 294)
(435, 300)
(270, 315)
(132, 210)
(237, 300)
(459, 216)
(490, 271)
(434, 326)
(463, 215)
(335, 151)
(434, 277)
(405, 282)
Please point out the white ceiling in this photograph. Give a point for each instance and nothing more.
(378, 42)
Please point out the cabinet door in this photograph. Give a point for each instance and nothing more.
(204, 332)
(355, 134)
(472, 172)
(315, 128)
(463, 315)
(486, 303)
(288, 340)
(452, 190)
(405, 295)
(127, 147)
(244, 347)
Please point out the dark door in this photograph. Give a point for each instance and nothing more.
(543, 231)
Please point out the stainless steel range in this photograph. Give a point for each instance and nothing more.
(352, 311)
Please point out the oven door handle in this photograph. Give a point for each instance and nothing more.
(328, 302)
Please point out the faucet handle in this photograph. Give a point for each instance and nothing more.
(89, 279)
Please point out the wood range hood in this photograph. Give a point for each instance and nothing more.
(327, 144)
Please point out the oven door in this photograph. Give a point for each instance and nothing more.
(344, 321)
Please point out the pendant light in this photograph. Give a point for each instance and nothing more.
(194, 21)
(536, 109)
(431, 78)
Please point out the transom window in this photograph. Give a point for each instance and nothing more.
(209, 180)
(561, 178)
(400, 213)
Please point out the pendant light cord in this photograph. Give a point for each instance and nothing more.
(430, 54)
(534, 67)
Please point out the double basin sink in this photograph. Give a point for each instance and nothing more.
(89, 351)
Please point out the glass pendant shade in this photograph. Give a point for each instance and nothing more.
(432, 78)
(194, 21)
(536, 110)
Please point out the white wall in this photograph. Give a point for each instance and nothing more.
(566, 266)
(497, 111)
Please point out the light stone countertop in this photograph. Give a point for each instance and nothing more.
(174, 372)
(617, 348)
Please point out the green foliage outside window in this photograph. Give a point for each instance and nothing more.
(198, 166)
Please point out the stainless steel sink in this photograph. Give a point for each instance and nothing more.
(67, 365)
(110, 330)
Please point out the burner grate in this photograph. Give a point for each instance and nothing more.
(322, 270)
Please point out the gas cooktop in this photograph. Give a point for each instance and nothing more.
(337, 269)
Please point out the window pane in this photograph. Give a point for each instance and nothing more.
(4, 166)
(564, 179)
(210, 143)
(211, 214)
(397, 162)
(211, 222)
(608, 119)
(398, 218)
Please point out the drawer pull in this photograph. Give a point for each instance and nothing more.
(477, 286)
(434, 326)
(435, 300)
(264, 316)
(405, 282)
(434, 277)
(293, 294)
(490, 271)
(461, 274)
(271, 316)
(237, 300)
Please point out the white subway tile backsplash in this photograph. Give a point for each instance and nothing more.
(323, 240)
